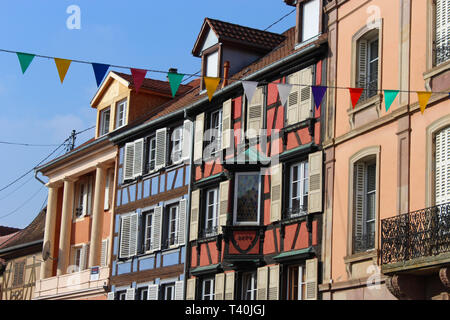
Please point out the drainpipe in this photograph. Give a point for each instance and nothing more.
(36, 177)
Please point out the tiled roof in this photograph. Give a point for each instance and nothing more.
(3, 239)
(4, 230)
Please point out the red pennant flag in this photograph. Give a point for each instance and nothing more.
(138, 77)
(355, 94)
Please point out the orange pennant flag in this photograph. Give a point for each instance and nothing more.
(62, 65)
(423, 96)
(211, 85)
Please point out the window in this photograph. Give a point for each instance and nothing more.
(215, 132)
(19, 273)
(247, 198)
(310, 20)
(442, 31)
(148, 219)
(172, 225)
(168, 291)
(129, 229)
(121, 295)
(208, 289)
(83, 197)
(177, 144)
(121, 113)
(211, 214)
(212, 61)
(298, 185)
(367, 63)
(143, 293)
(249, 286)
(77, 256)
(296, 283)
(104, 121)
(442, 166)
(151, 147)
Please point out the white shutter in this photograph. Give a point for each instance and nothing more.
(195, 207)
(187, 143)
(128, 161)
(182, 222)
(224, 189)
(134, 233)
(311, 279)
(274, 282)
(84, 257)
(107, 182)
(358, 185)
(292, 112)
(198, 137)
(219, 286)
(275, 192)
(153, 291)
(261, 283)
(226, 125)
(130, 294)
(179, 290)
(255, 113)
(229, 285)
(104, 253)
(111, 295)
(442, 29)
(315, 182)
(161, 147)
(85, 197)
(124, 250)
(362, 64)
(138, 157)
(190, 289)
(157, 228)
(442, 172)
(304, 111)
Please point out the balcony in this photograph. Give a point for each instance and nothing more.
(415, 240)
(243, 244)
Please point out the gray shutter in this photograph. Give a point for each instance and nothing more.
(153, 291)
(161, 147)
(195, 207)
(358, 185)
(187, 142)
(138, 157)
(274, 282)
(128, 161)
(255, 113)
(315, 182)
(442, 171)
(224, 189)
(275, 192)
(157, 228)
(181, 222)
(179, 288)
(305, 106)
(261, 283)
(292, 112)
(226, 125)
(134, 233)
(219, 286)
(198, 137)
(111, 295)
(229, 285)
(190, 289)
(311, 279)
(124, 250)
(362, 64)
(130, 294)
(104, 253)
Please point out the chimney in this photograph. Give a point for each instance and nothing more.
(226, 70)
(173, 70)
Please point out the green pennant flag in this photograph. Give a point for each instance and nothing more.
(389, 97)
(25, 60)
(175, 81)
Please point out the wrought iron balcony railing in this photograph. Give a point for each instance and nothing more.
(441, 50)
(421, 233)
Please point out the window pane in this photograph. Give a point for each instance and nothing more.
(211, 64)
(247, 197)
(310, 19)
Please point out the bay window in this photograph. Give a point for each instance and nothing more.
(247, 198)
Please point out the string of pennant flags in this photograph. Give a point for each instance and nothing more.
(211, 83)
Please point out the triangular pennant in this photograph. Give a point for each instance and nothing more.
(62, 65)
(423, 96)
(284, 90)
(355, 94)
(211, 85)
(389, 97)
(249, 89)
(25, 60)
(318, 92)
(174, 81)
(138, 77)
(100, 71)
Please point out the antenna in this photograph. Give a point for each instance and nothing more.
(71, 143)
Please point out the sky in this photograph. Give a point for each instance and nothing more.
(37, 109)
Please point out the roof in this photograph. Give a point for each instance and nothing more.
(4, 230)
(3, 239)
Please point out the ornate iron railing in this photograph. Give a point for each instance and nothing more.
(441, 51)
(363, 242)
(421, 233)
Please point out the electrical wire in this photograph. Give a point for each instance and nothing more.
(283, 17)
(27, 144)
(23, 204)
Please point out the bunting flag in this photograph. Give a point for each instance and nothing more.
(62, 65)
(423, 96)
(100, 71)
(389, 97)
(211, 85)
(174, 81)
(318, 93)
(355, 94)
(138, 77)
(25, 60)
(284, 90)
(249, 89)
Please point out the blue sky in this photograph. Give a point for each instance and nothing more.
(37, 109)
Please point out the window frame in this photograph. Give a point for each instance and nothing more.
(164, 288)
(168, 224)
(235, 202)
(211, 293)
(148, 154)
(299, 17)
(146, 235)
(123, 118)
(215, 213)
(302, 180)
(103, 129)
(253, 290)
(212, 129)
(173, 144)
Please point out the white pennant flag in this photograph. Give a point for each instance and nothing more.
(284, 90)
(249, 89)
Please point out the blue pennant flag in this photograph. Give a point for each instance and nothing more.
(100, 71)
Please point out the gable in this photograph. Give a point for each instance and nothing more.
(211, 39)
(113, 92)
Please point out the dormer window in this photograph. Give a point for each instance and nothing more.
(309, 19)
(104, 121)
(212, 64)
(121, 113)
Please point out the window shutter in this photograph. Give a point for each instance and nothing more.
(315, 182)
(442, 29)
(134, 232)
(226, 125)
(89, 196)
(104, 253)
(157, 228)
(111, 296)
(124, 250)
(128, 161)
(442, 172)
(179, 290)
(274, 282)
(255, 113)
(198, 137)
(153, 291)
(187, 142)
(229, 286)
(311, 279)
(107, 182)
(190, 289)
(362, 64)
(275, 192)
(85, 198)
(292, 112)
(224, 189)
(130, 294)
(261, 283)
(219, 288)
(358, 185)
(161, 146)
(182, 222)
(305, 94)
(138, 157)
(84, 257)
(195, 207)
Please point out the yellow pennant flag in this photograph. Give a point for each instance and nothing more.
(211, 85)
(423, 96)
(62, 65)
